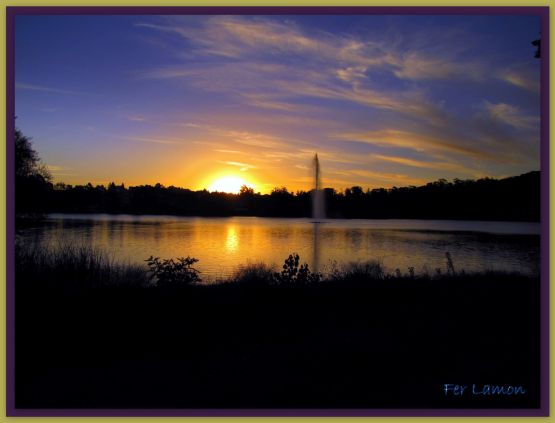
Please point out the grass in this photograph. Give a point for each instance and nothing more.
(89, 267)
(93, 333)
(254, 273)
(76, 266)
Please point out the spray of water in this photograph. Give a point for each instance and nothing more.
(318, 206)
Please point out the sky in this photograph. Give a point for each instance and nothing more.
(188, 100)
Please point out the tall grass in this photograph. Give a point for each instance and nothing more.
(369, 270)
(79, 265)
(254, 273)
(73, 267)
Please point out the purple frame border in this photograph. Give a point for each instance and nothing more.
(12, 12)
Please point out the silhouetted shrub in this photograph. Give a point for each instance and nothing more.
(293, 273)
(169, 272)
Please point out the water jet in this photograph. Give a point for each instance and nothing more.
(318, 205)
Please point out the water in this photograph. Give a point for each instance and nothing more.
(221, 244)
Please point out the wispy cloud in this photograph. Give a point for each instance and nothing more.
(58, 171)
(264, 85)
(511, 115)
(257, 76)
(24, 86)
(423, 164)
(136, 118)
(57, 168)
(416, 66)
(154, 140)
(266, 101)
(232, 37)
(524, 78)
(244, 166)
(414, 141)
(365, 179)
(223, 150)
(250, 138)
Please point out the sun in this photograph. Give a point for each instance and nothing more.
(229, 184)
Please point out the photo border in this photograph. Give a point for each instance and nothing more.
(12, 11)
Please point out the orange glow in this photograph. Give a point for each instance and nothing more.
(229, 184)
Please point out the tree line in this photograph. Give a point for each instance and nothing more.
(513, 198)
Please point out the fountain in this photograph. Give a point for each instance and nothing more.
(318, 213)
(318, 206)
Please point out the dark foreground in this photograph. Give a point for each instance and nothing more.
(356, 342)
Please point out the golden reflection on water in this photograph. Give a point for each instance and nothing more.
(316, 246)
(232, 240)
(223, 244)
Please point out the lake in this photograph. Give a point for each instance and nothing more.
(222, 244)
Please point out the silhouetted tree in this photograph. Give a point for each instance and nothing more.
(27, 160)
(245, 190)
(33, 181)
(514, 198)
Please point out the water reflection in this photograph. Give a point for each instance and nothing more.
(221, 244)
(232, 240)
(316, 246)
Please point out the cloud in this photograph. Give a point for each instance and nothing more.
(252, 138)
(233, 37)
(31, 87)
(243, 166)
(416, 66)
(264, 86)
(332, 156)
(249, 38)
(524, 78)
(57, 170)
(351, 74)
(262, 142)
(136, 118)
(266, 101)
(511, 115)
(228, 151)
(153, 140)
(366, 178)
(445, 166)
(414, 141)
(268, 75)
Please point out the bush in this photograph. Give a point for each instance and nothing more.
(292, 273)
(169, 272)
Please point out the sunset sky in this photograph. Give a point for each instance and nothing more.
(187, 100)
